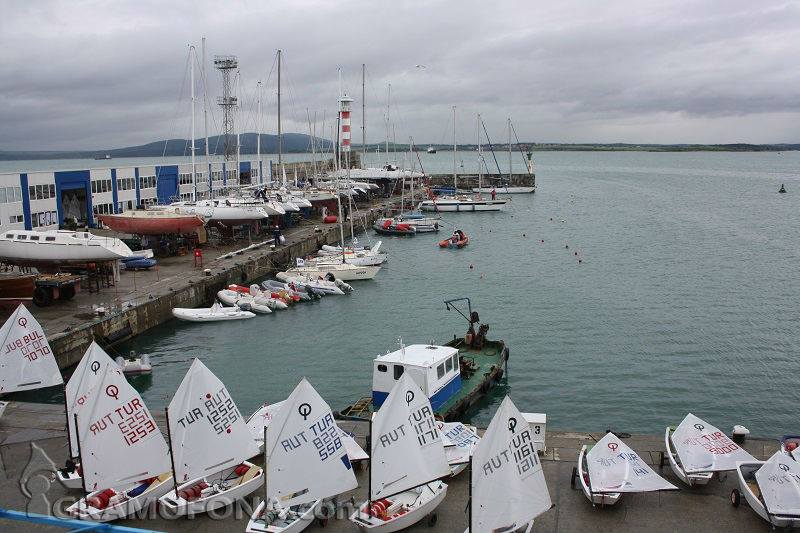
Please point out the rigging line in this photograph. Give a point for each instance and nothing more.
(491, 147)
(519, 147)
(177, 106)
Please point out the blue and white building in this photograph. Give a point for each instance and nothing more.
(31, 200)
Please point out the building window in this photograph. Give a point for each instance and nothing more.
(398, 371)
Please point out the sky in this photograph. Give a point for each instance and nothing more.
(105, 74)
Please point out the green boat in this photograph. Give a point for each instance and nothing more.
(455, 376)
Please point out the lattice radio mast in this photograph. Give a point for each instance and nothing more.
(228, 102)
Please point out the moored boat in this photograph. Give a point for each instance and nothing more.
(459, 239)
(340, 271)
(152, 222)
(461, 204)
(215, 313)
(388, 226)
(505, 189)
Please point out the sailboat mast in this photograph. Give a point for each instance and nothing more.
(363, 114)
(470, 494)
(480, 153)
(205, 103)
(350, 207)
(280, 135)
(83, 463)
(455, 150)
(66, 415)
(171, 456)
(411, 156)
(388, 109)
(192, 58)
(509, 150)
(266, 492)
(258, 129)
(369, 472)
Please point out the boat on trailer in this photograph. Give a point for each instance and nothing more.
(696, 450)
(771, 488)
(454, 376)
(404, 432)
(506, 495)
(610, 468)
(302, 476)
(208, 445)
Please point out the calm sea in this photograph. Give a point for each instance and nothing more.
(684, 299)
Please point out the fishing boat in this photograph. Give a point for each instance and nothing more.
(80, 388)
(431, 150)
(339, 271)
(319, 284)
(407, 460)
(772, 488)
(506, 494)
(152, 222)
(696, 450)
(209, 445)
(123, 454)
(459, 239)
(28, 362)
(305, 472)
(459, 442)
(56, 247)
(454, 376)
(388, 226)
(217, 312)
(610, 468)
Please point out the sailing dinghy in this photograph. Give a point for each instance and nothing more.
(79, 390)
(306, 462)
(507, 486)
(209, 444)
(772, 488)
(123, 454)
(407, 462)
(459, 442)
(696, 450)
(610, 468)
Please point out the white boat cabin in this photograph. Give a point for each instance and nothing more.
(434, 368)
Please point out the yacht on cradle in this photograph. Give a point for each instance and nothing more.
(57, 247)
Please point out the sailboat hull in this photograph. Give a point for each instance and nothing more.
(597, 498)
(340, 272)
(690, 479)
(71, 480)
(299, 518)
(749, 469)
(419, 504)
(83, 511)
(237, 488)
(505, 190)
(462, 206)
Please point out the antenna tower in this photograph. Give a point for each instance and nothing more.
(228, 102)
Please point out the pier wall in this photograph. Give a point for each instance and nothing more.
(197, 289)
(469, 180)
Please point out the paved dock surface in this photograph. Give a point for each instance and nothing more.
(39, 427)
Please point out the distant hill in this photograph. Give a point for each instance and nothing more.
(292, 142)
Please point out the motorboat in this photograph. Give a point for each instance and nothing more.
(696, 450)
(134, 365)
(400, 496)
(209, 444)
(215, 313)
(771, 488)
(461, 203)
(301, 475)
(56, 247)
(305, 294)
(258, 304)
(459, 239)
(125, 470)
(319, 284)
(388, 226)
(431, 150)
(152, 222)
(610, 468)
(339, 271)
(503, 499)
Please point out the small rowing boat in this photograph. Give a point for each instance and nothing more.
(459, 239)
(389, 226)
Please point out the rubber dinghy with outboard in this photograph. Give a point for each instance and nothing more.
(319, 284)
(210, 444)
(406, 463)
(772, 488)
(610, 468)
(215, 313)
(508, 488)
(459, 239)
(124, 457)
(389, 226)
(305, 294)
(696, 450)
(302, 474)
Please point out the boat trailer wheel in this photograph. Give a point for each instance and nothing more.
(432, 519)
(574, 475)
(736, 497)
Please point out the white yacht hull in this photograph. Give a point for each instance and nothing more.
(343, 272)
(461, 206)
(505, 190)
(59, 247)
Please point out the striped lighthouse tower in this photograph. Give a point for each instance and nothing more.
(344, 123)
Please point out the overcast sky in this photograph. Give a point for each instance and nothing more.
(102, 74)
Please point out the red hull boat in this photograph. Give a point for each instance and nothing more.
(151, 222)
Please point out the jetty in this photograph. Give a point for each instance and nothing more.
(33, 442)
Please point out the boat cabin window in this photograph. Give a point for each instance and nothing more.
(440, 371)
(9, 235)
(382, 368)
(21, 237)
(449, 365)
(455, 361)
(398, 371)
(49, 238)
(34, 237)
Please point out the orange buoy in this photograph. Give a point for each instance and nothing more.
(330, 219)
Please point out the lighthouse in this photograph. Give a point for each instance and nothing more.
(345, 103)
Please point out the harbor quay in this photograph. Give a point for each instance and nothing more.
(33, 442)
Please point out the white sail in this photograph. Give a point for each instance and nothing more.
(779, 481)
(459, 441)
(306, 458)
(615, 467)
(508, 485)
(119, 441)
(27, 361)
(703, 448)
(407, 449)
(207, 431)
(82, 385)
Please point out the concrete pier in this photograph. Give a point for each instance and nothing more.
(33, 442)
